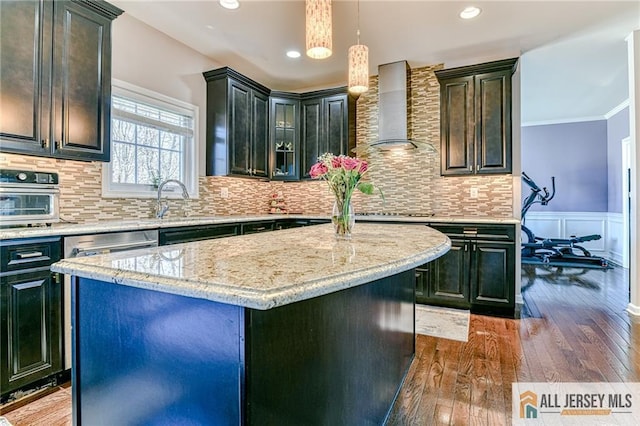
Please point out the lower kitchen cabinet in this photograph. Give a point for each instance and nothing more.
(493, 274)
(449, 281)
(255, 227)
(478, 273)
(422, 282)
(297, 223)
(30, 315)
(186, 234)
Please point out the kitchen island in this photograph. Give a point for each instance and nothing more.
(288, 327)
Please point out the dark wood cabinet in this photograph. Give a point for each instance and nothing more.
(449, 281)
(249, 127)
(185, 234)
(24, 69)
(285, 137)
(422, 282)
(327, 125)
(55, 60)
(30, 314)
(491, 273)
(297, 223)
(237, 125)
(256, 227)
(475, 118)
(478, 273)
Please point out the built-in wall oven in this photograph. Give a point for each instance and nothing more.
(91, 245)
(28, 197)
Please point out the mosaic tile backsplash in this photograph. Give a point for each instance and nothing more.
(410, 180)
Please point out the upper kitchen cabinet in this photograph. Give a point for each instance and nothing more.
(327, 125)
(237, 124)
(55, 66)
(285, 136)
(475, 118)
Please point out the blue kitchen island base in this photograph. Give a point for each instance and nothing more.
(149, 357)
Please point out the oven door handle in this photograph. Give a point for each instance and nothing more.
(112, 247)
(28, 189)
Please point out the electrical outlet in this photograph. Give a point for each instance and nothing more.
(474, 192)
(224, 192)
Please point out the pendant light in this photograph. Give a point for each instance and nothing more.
(358, 64)
(318, 28)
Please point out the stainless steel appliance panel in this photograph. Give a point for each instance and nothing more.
(28, 198)
(96, 244)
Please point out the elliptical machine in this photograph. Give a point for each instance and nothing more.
(554, 251)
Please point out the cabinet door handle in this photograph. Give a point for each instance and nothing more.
(470, 168)
(29, 255)
(473, 247)
(477, 166)
(466, 247)
(45, 143)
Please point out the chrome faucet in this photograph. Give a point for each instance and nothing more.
(163, 206)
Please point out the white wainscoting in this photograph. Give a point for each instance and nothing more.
(617, 245)
(566, 224)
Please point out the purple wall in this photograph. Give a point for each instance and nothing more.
(617, 129)
(576, 154)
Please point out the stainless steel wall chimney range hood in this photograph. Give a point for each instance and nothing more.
(394, 92)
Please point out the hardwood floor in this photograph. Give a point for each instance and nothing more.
(574, 328)
(53, 409)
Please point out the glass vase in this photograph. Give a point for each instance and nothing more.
(343, 219)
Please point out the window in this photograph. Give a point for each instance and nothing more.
(153, 138)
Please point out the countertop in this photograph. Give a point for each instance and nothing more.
(65, 229)
(266, 270)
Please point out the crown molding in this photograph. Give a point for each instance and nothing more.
(606, 116)
(563, 121)
(617, 109)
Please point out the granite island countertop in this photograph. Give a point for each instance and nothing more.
(117, 225)
(266, 270)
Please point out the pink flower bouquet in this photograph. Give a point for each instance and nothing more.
(343, 175)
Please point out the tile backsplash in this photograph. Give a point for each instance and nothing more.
(410, 180)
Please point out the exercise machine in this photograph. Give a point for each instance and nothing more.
(554, 251)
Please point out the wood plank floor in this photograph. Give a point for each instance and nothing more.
(574, 328)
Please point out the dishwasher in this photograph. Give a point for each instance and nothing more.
(91, 245)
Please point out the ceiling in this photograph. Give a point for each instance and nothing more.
(573, 53)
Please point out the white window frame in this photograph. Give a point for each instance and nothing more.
(190, 161)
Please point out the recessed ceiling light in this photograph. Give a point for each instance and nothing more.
(293, 54)
(470, 12)
(230, 4)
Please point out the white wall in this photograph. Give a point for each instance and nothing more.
(633, 45)
(150, 59)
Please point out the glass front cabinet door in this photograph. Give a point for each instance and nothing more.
(284, 139)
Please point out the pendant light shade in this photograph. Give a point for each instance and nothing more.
(318, 28)
(358, 68)
(358, 64)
